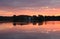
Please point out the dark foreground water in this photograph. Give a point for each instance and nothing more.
(48, 30)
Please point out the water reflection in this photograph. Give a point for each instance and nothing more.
(26, 23)
(46, 30)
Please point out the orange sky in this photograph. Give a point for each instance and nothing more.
(29, 7)
(31, 11)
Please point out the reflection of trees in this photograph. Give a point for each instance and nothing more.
(20, 23)
(26, 23)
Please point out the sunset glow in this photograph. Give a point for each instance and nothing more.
(31, 11)
(29, 7)
(29, 19)
(48, 27)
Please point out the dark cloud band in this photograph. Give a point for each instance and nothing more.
(29, 3)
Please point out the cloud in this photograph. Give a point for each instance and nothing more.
(29, 3)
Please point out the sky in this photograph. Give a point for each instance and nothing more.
(29, 7)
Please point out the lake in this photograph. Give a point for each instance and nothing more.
(47, 30)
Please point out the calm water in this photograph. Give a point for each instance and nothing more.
(48, 30)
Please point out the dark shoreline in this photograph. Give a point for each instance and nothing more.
(26, 18)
